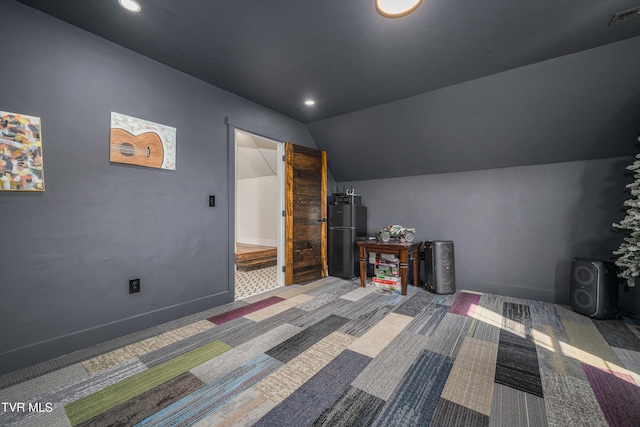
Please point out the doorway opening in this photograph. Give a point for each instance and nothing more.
(259, 223)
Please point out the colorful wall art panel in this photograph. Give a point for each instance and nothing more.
(20, 153)
(139, 142)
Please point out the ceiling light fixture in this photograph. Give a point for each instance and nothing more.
(396, 8)
(309, 102)
(130, 5)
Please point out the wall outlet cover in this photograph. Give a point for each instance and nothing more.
(134, 286)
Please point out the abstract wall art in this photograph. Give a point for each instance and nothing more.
(21, 166)
(142, 143)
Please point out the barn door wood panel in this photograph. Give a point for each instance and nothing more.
(305, 220)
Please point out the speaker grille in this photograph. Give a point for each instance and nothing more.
(594, 288)
(444, 270)
(439, 266)
(584, 287)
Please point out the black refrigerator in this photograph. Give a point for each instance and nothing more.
(347, 223)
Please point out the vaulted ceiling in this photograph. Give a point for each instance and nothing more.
(457, 85)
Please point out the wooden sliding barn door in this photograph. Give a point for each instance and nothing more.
(305, 221)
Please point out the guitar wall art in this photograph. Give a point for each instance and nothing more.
(142, 143)
(21, 166)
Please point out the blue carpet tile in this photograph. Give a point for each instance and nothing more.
(210, 398)
(418, 394)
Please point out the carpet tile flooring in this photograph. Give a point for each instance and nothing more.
(330, 353)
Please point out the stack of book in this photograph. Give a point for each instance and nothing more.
(386, 273)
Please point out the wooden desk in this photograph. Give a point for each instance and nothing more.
(404, 252)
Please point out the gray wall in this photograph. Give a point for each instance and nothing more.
(515, 230)
(66, 255)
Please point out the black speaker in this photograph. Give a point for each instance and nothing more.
(594, 288)
(440, 276)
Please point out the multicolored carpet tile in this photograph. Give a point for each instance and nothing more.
(330, 353)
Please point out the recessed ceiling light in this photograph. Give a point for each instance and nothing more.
(309, 102)
(131, 5)
(396, 8)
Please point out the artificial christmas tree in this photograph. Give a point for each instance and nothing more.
(628, 255)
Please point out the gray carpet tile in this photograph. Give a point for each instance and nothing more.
(446, 299)
(618, 334)
(354, 408)
(449, 335)
(357, 308)
(241, 335)
(633, 324)
(237, 356)
(44, 384)
(493, 303)
(173, 350)
(358, 326)
(313, 317)
(335, 286)
(484, 331)
(56, 418)
(511, 407)
(415, 304)
(428, 372)
(145, 405)
(25, 374)
(295, 345)
(428, 320)
(73, 391)
(551, 343)
(416, 397)
(570, 401)
(449, 413)
(317, 302)
(396, 298)
(566, 313)
(359, 293)
(306, 405)
(388, 368)
(630, 359)
(543, 313)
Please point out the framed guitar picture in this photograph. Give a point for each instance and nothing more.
(142, 143)
(21, 167)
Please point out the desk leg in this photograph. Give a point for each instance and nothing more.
(416, 268)
(404, 270)
(363, 266)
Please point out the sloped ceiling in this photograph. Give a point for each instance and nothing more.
(457, 85)
(256, 157)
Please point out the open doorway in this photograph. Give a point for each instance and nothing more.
(259, 228)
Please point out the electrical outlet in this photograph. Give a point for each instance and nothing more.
(134, 286)
(212, 201)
